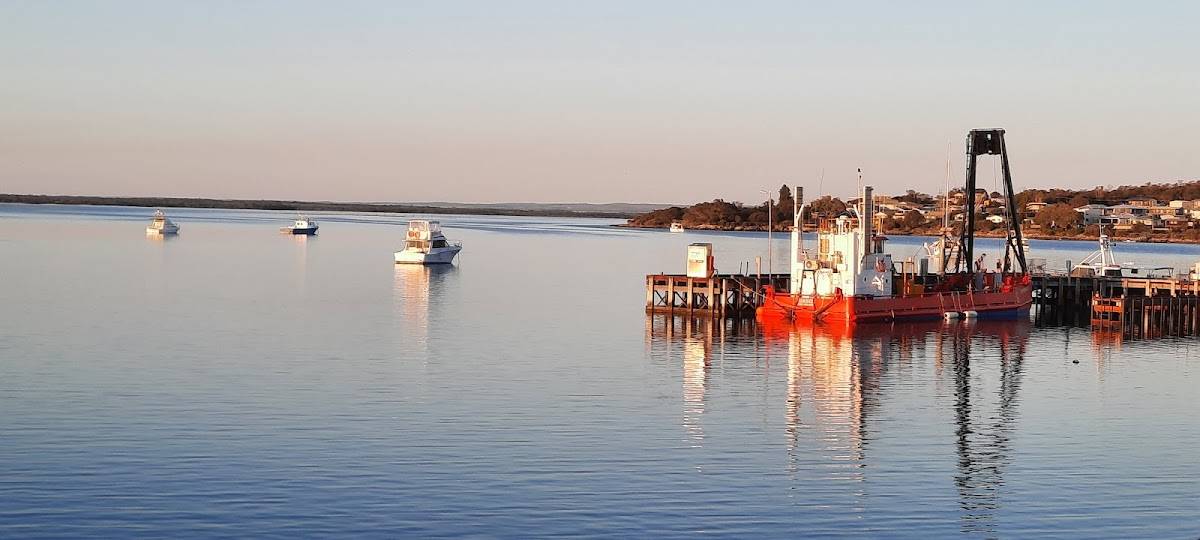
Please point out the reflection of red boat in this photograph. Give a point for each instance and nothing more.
(852, 279)
(775, 330)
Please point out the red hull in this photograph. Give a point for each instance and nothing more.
(1010, 303)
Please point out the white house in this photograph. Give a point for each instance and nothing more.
(1092, 213)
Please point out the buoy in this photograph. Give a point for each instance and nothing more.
(970, 314)
(951, 315)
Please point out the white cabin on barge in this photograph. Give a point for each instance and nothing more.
(850, 258)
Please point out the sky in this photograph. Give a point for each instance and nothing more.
(607, 101)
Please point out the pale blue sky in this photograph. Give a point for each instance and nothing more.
(572, 101)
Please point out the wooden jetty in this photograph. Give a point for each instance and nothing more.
(1136, 308)
(722, 295)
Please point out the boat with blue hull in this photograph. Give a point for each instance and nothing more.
(302, 225)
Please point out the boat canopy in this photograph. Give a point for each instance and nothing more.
(425, 226)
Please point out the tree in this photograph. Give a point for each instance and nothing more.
(913, 219)
(915, 197)
(1058, 216)
(1079, 200)
(658, 218)
(783, 206)
(785, 194)
(824, 207)
(717, 212)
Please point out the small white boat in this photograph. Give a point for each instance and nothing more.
(1102, 262)
(302, 225)
(425, 244)
(161, 225)
(676, 226)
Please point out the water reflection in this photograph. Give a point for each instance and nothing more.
(695, 338)
(836, 380)
(984, 420)
(830, 368)
(157, 238)
(300, 241)
(415, 289)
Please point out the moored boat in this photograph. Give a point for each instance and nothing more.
(161, 225)
(853, 279)
(1103, 262)
(676, 226)
(425, 244)
(302, 225)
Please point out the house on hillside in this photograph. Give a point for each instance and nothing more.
(1166, 211)
(1035, 206)
(1092, 213)
(1142, 201)
(1128, 209)
(1174, 223)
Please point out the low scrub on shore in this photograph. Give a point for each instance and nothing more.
(1045, 214)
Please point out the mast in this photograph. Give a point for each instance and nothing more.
(770, 254)
(944, 241)
(797, 223)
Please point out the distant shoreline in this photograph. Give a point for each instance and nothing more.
(978, 234)
(299, 206)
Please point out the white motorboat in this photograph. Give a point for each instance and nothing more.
(425, 244)
(676, 226)
(161, 225)
(302, 225)
(1102, 262)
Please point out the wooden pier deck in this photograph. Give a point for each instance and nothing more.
(722, 295)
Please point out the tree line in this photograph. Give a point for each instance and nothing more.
(1057, 218)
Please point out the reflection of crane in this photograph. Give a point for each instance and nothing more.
(983, 450)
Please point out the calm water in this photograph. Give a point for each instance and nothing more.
(237, 382)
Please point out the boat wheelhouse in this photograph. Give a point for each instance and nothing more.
(1103, 262)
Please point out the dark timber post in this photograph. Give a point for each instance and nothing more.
(966, 244)
(1010, 206)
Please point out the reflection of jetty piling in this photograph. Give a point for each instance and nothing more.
(722, 295)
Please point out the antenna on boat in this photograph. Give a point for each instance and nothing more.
(946, 191)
